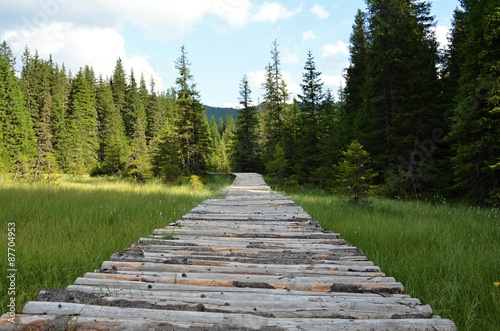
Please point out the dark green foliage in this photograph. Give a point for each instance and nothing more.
(166, 152)
(245, 156)
(393, 103)
(16, 129)
(45, 165)
(138, 163)
(192, 126)
(274, 103)
(354, 175)
(220, 112)
(475, 130)
(310, 112)
(81, 144)
(119, 88)
(134, 107)
(113, 147)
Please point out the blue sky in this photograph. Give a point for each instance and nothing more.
(225, 39)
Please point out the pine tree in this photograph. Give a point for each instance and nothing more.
(245, 156)
(354, 175)
(167, 155)
(401, 93)
(330, 139)
(114, 147)
(59, 89)
(18, 136)
(119, 87)
(138, 165)
(45, 161)
(134, 107)
(192, 126)
(310, 102)
(81, 138)
(354, 120)
(219, 161)
(475, 129)
(274, 103)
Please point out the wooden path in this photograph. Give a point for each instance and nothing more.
(253, 260)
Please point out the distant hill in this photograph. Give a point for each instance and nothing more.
(219, 112)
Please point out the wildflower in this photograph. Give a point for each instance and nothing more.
(496, 284)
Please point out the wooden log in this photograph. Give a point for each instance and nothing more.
(268, 305)
(323, 284)
(246, 268)
(228, 321)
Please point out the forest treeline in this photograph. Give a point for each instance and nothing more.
(427, 118)
(424, 120)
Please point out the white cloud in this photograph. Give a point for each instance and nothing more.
(292, 84)
(320, 12)
(234, 12)
(255, 81)
(309, 35)
(333, 82)
(339, 47)
(165, 19)
(290, 58)
(442, 33)
(272, 12)
(76, 46)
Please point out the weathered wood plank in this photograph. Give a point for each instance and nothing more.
(279, 306)
(231, 321)
(246, 268)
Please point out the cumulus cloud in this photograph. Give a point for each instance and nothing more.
(309, 35)
(255, 81)
(75, 46)
(339, 47)
(273, 11)
(290, 58)
(165, 19)
(333, 82)
(442, 33)
(320, 12)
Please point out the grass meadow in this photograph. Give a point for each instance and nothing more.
(447, 255)
(70, 227)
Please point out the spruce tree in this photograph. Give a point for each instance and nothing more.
(475, 129)
(401, 94)
(18, 136)
(274, 104)
(166, 153)
(354, 175)
(354, 120)
(59, 89)
(310, 104)
(81, 137)
(134, 107)
(45, 161)
(119, 88)
(192, 126)
(138, 164)
(245, 158)
(113, 149)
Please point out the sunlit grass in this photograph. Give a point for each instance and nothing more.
(70, 227)
(446, 255)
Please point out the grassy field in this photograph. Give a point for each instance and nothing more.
(446, 255)
(65, 229)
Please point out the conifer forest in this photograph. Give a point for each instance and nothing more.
(412, 120)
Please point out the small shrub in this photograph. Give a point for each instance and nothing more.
(196, 183)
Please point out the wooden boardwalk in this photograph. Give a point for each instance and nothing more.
(253, 260)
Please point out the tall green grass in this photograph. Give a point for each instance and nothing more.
(446, 255)
(68, 228)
